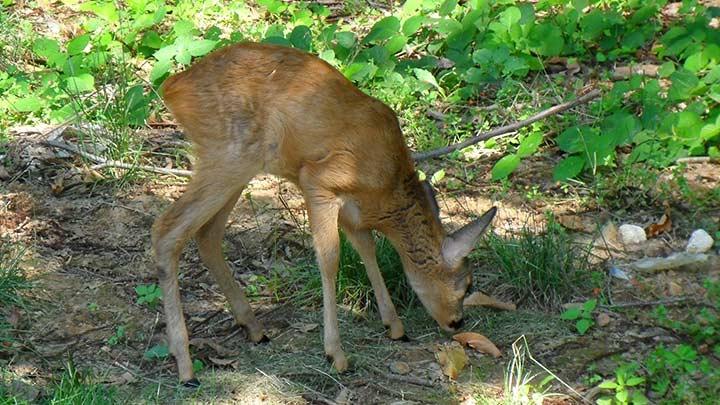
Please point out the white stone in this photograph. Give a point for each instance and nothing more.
(631, 234)
(699, 242)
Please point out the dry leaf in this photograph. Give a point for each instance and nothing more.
(662, 226)
(478, 342)
(304, 327)
(222, 362)
(452, 359)
(577, 223)
(478, 299)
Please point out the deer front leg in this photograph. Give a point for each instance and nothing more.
(364, 244)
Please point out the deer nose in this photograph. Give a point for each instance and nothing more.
(457, 324)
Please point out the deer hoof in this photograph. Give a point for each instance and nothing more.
(192, 383)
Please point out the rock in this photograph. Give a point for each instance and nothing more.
(4, 175)
(399, 367)
(631, 234)
(674, 289)
(699, 242)
(602, 319)
(673, 261)
(618, 273)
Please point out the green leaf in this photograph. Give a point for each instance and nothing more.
(160, 68)
(666, 69)
(589, 306)
(638, 398)
(198, 365)
(301, 37)
(530, 144)
(546, 39)
(608, 385)
(166, 52)
(437, 176)
(157, 352)
(152, 39)
(396, 44)
(28, 104)
(571, 314)
(447, 7)
(570, 140)
(49, 49)
(78, 44)
(80, 84)
(505, 166)
(684, 83)
(633, 381)
(382, 30)
(201, 47)
(412, 24)
(510, 17)
(583, 325)
(622, 396)
(345, 39)
(605, 401)
(568, 168)
(427, 77)
(696, 62)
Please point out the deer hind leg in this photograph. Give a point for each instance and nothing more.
(323, 208)
(364, 244)
(206, 194)
(209, 239)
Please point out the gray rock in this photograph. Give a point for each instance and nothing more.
(699, 242)
(631, 234)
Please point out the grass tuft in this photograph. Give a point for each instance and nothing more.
(76, 388)
(302, 285)
(12, 282)
(538, 269)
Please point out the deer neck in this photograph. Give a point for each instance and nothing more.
(413, 227)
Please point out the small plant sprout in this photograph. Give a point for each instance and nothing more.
(149, 294)
(582, 315)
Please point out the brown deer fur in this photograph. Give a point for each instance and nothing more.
(252, 108)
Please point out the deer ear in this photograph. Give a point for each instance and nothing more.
(461, 242)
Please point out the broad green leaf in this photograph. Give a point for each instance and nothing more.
(608, 385)
(412, 24)
(684, 83)
(184, 28)
(383, 29)
(589, 306)
(571, 314)
(696, 62)
(78, 44)
(714, 92)
(505, 166)
(160, 68)
(622, 396)
(568, 168)
(546, 39)
(448, 26)
(447, 7)
(530, 144)
(201, 47)
(510, 17)
(276, 40)
(712, 76)
(395, 44)
(157, 352)
(427, 77)
(583, 325)
(604, 401)
(638, 398)
(28, 104)
(152, 39)
(570, 140)
(301, 37)
(80, 84)
(359, 71)
(633, 381)
(328, 56)
(437, 176)
(345, 39)
(688, 125)
(50, 50)
(666, 69)
(166, 52)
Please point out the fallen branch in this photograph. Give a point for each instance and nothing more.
(101, 162)
(418, 156)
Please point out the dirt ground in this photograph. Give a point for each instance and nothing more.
(87, 248)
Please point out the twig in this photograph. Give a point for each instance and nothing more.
(508, 128)
(102, 162)
(698, 159)
(648, 303)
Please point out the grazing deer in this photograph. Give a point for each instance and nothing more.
(252, 108)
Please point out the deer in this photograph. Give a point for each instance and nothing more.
(254, 108)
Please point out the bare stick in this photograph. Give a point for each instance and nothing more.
(101, 162)
(418, 156)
